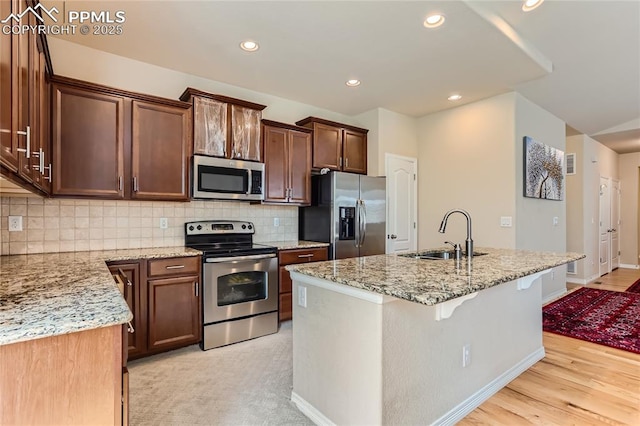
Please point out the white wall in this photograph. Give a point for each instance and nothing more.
(81, 62)
(629, 168)
(576, 213)
(534, 218)
(466, 160)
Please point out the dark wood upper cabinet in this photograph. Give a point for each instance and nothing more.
(337, 146)
(24, 132)
(287, 152)
(160, 142)
(110, 143)
(88, 142)
(225, 127)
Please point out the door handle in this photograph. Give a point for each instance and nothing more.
(249, 183)
(393, 236)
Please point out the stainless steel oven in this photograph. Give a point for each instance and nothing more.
(220, 178)
(239, 285)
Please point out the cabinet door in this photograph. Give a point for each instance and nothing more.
(8, 96)
(88, 143)
(44, 125)
(23, 48)
(132, 290)
(209, 127)
(245, 140)
(160, 142)
(276, 164)
(299, 167)
(327, 146)
(285, 310)
(355, 152)
(174, 312)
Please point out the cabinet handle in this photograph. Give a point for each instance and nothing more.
(305, 255)
(195, 287)
(27, 133)
(346, 162)
(135, 184)
(41, 158)
(340, 161)
(48, 177)
(119, 183)
(130, 327)
(175, 267)
(123, 275)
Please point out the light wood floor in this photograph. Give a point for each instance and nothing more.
(577, 383)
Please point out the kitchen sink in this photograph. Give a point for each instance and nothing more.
(437, 254)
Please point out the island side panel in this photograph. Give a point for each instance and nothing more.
(337, 350)
(424, 380)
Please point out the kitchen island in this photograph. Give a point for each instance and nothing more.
(398, 340)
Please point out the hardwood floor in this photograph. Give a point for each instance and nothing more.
(577, 383)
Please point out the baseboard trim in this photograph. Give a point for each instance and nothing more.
(475, 400)
(576, 280)
(627, 266)
(310, 411)
(554, 295)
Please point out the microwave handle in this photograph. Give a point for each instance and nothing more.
(250, 181)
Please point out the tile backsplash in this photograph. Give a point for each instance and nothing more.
(56, 225)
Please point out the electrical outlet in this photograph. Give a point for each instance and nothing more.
(505, 221)
(466, 355)
(15, 223)
(555, 221)
(164, 223)
(276, 222)
(302, 296)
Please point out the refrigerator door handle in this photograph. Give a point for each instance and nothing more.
(363, 223)
(357, 227)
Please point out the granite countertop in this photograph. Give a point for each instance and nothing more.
(433, 281)
(294, 244)
(43, 295)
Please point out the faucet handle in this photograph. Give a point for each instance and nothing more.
(454, 245)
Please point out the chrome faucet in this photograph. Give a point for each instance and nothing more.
(468, 241)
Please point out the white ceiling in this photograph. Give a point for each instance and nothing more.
(580, 60)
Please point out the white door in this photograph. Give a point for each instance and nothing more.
(615, 224)
(605, 226)
(402, 203)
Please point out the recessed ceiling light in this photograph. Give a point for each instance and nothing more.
(353, 83)
(455, 97)
(434, 20)
(249, 46)
(531, 4)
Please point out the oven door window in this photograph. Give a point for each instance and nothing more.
(222, 179)
(242, 287)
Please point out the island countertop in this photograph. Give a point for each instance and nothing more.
(43, 295)
(430, 282)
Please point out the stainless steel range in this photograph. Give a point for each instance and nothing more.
(239, 283)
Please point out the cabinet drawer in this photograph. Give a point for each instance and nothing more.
(289, 257)
(174, 266)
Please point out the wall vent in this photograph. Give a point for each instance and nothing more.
(571, 164)
(571, 268)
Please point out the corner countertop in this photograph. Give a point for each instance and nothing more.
(430, 282)
(50, 294)
(294, 244)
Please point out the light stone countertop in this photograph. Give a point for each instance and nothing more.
(43, 295)
(433, 281)
(294, 244)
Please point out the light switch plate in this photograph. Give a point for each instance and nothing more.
(505, 221)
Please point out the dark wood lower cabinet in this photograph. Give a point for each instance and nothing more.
(174, 312)
(290, 257)
(136, 339)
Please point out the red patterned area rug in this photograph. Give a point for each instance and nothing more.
(609, 318)
(635, 287)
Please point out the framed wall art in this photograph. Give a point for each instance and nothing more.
(543, 170)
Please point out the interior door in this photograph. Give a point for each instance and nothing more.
(402, 232)
(605, 226)
(615, 224)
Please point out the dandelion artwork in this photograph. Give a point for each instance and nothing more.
(543, 170)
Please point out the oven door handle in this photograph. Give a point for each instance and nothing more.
(239, 258)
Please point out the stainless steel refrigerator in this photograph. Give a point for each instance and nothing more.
(348, 211)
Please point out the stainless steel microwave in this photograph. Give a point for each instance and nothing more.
(224, 179)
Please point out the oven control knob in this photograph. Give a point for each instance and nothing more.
(244, 226)
(199, 227)
(190, 227)
(250, 227)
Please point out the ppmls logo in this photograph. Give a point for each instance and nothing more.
(32, 10)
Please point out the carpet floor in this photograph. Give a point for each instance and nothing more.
(635, 287)
(248, 383)
(605, 317)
